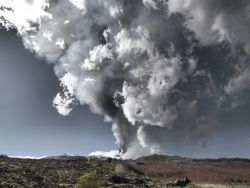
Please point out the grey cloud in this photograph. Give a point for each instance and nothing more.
(139, 66)
(216, 20)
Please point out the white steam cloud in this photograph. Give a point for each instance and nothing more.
(111, 154)
(137, 62)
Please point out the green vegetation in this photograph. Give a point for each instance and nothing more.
(119, 168)
(192, 185)
(88, 180)
(8, 183)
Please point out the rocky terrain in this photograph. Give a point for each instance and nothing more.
(152, 171)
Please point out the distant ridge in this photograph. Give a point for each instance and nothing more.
(157, 157)
(66, 157)
(162, 158)
(56, 157)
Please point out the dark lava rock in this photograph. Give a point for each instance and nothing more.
(138, 181)
(118, 180)
(181, 183)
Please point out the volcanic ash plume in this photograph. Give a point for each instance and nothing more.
(145, 65)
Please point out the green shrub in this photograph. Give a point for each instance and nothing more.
(8, 183)
(119, 168)
(191, 185)
(88, 180)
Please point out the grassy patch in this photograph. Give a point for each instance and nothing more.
(192, 185)
(88, 180)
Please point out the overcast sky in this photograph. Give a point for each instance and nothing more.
(136, 76)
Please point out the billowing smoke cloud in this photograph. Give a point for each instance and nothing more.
(220, 21)
(216, 21)
(160, 71)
